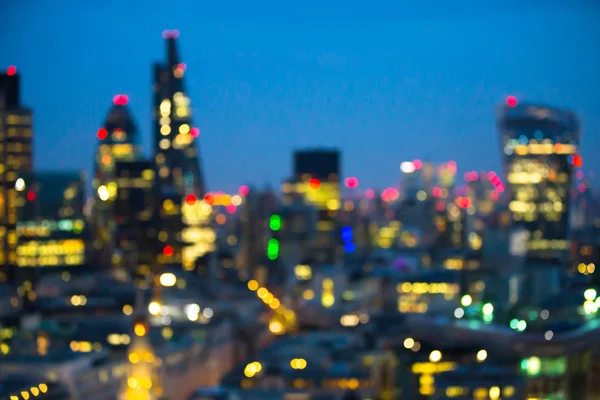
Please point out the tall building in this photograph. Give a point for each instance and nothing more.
(317, 180)
(135, 216)
(118, 142)
(186, 230)
(15, 159)
(539, 145)
(51, 228)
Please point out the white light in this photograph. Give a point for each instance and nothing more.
(168, 279)
(544, 314)
(409, 343)
(548, 335)
(154, 308)
(522, 325)
(488, 309)
(481, 355)
(407, 167)
(192, 316)
(192, 309)
(466, 300)
(435, 356)
(166, 320)
(590, 294)
(20, 185)
(208, 312)
(103, 193)
(236, 200)
(459, 313)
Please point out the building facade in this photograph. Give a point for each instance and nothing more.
(15, 159)
(186, 233)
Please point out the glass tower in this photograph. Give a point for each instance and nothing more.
(186, 232)
(539, 144)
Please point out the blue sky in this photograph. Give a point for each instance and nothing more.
(383, 81)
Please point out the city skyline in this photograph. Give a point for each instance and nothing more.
(365, 89)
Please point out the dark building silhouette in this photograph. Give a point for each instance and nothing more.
(15, 159)
(539, 144)
(185, 228)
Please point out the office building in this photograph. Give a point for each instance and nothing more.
(52, 231)
(540, 147)
(118, 142)
(186, 232)
(15, 159)
(317, 180)
(137, 237)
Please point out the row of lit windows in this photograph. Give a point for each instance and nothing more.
(13, 119)
(432, 288)
(548, 244)
(51, 248)
(50, 261)
(16, 147)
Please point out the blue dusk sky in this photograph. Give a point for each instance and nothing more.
(384, 81)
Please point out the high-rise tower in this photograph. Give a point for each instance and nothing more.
(540, 147)
(117, 143)
(15, 158)
(185, 217)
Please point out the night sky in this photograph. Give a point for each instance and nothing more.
(383, 81)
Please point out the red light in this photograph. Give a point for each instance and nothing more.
(244, 190)
(190, 199)
(494, 196)
(209, 199)
(121, 99)
(370, 193)
(31, 195)
(168, 251)
(418, 164)
(389, 194)
(231, 208)
(511, 101)
(175, 34)
(11, 70)
(195, 132)
(314, 184)
(182, 66)
(351, 182)
(436, 192)
(500, 188)
(463, 202)
(577, 161)
(440, 206)
(579, 174)
(581, 187)
(102, 133)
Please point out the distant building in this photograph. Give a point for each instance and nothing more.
(540, 146)
(137, 236)
(317, 180)
(185, 217)
(15, 159)
(51, 229)
(118, 142)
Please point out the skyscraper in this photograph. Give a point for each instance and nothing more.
(117, 143)
(51, 227)
(185, 218)
(317, 179)
(15, 158)
(539, 146)
(135, 215)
